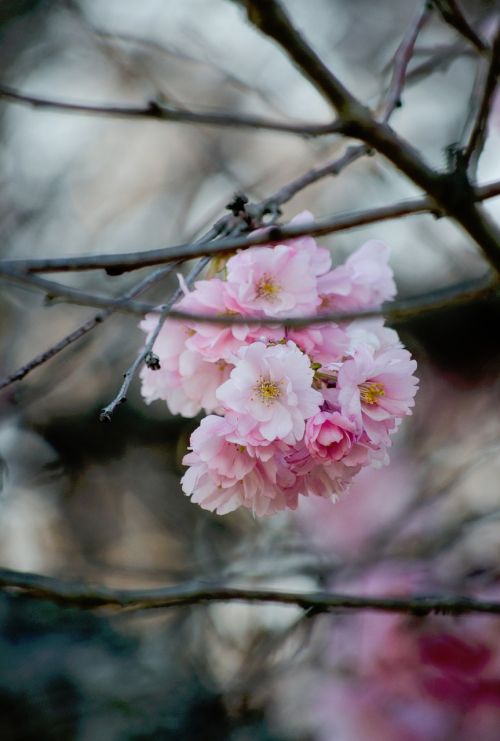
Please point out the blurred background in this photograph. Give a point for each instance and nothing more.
(102, 502)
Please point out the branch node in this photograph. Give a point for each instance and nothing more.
(152, 361)
(112, 271)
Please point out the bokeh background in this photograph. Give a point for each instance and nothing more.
(102, 502)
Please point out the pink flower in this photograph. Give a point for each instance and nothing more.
(371, 333)
(364, 281)
(375, 390)
(323, 343)
(269, 392)
(272, 281)
(331, 437)
(319, 257)
(213, 342)
(325, 479)
(226, 473)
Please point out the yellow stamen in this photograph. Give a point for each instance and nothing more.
(266, 288)
(325, 303)
(370, 392)
(268, 391)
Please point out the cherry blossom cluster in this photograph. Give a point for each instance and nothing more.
(290, 411)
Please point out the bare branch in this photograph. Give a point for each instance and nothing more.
(483, 95)
(121, 397)
(453, 16)
(271, 19)
(86, 327)
(86, 596)
(450, 191)
(439, 58)
(159, 110)
(122, 262)
(402, 59)
(58, 292)
(271, 204)
(463, 292)
(351, 154)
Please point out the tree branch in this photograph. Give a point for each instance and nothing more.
(86, 596)
(450, 191)
(162, 111)
(270, 18)
(123, 262)
(121, 397)
(269, 205)
(453, 16)
(87, 326)
(402, 59)
(484, 93)
(476, 289)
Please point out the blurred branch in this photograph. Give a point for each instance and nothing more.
(122, 262)
(439, 57)
(207, 60)
(452, 14)
(402, 59)
(86, 327)
(162, 111)
(483, 96)
(88, 596)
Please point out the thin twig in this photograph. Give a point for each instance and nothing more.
(441, 57)
(402, 59)
(56, 292)
(453, 16)
(388, 104)
(233, 224)
(86, 327)
(121, 397)
(484, 93)
(122, 262)
(86, 596)
(476, 289)
(451, 191)
(159, 110)
(464, 292)
(351, 154)
(270, 204)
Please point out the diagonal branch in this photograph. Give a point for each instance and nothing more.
(87, 326)
(270, 18)
(452, 14)
(402, 59)
(483, 95)
(269, 205)
(86, 596)
(121, 397)
(450, 191)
